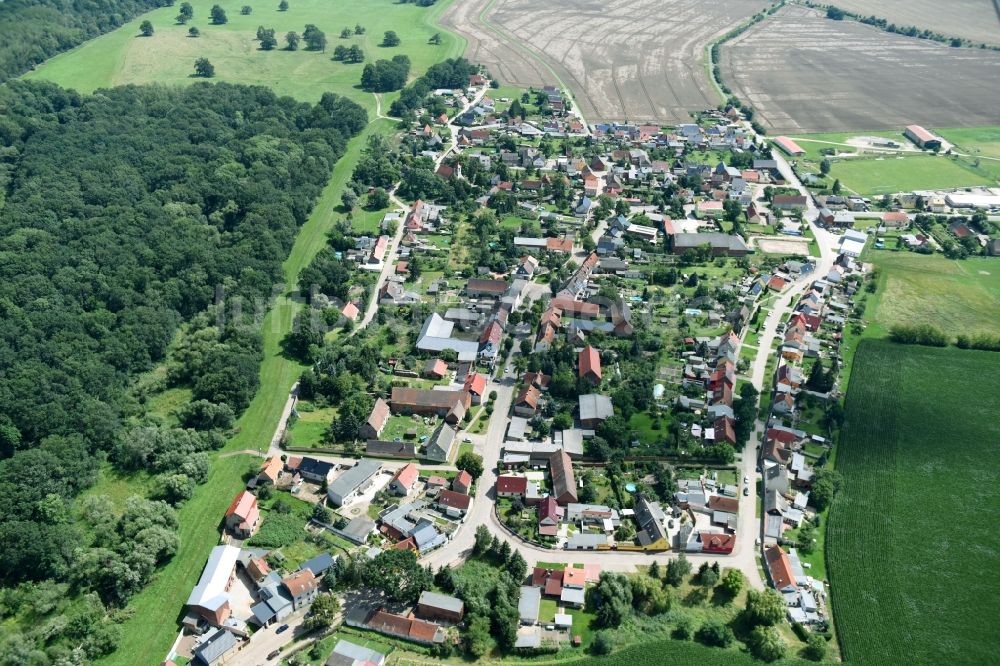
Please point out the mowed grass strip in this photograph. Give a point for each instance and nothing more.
(955, 296)
(167, 57)
(911, 539)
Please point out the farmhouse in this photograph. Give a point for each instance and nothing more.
(650, 518)
(210, 597)
(403, 480)
(789, 202)
(317, 471)
(270, 470)
(511, 486)
(452, 405)
(454, 504)
(779, 569)
(563, 480)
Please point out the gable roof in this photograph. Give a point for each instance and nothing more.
(300, 582)
(244, 506)
(271, 468)
(590, 362)
(512, 484)
(379, 416)
(561, 470)
(453, 500)
(463, 479)
(210, 592)
(475, 382)
(779, 567)
(406, 475)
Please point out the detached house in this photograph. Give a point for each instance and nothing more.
(243, 515)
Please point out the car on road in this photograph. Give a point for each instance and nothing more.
(281, 629)
(746, 491)
(273, 654)
(746, 480)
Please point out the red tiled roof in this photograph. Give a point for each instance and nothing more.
(271, 467)
(463, 480)
(244, 504)
(301, 581)
(726, 504)
(476, 383)
(779, 567)
(512, 484)
(717, 543)
(407, 475)
(451, 499)
(553, 586)
(590, 362)
(528, 396)
(538, 379)
(350, 311)
(573, 577)
(559, 245)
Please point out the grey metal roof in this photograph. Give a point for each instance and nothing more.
(216, 645)
(595, 406)
(352, 479)
(319, 564)
(442, 601)
(357, 653)
(527, 604)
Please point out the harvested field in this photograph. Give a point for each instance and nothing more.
(636, 60)
(972, 19)
(806, 73)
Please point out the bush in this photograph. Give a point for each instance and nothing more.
(715, 633)
(922, 334)
(602, 643)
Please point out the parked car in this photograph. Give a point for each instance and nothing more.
(273, 654)
(746, 491)
(281, 629)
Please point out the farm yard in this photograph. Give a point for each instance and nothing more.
(911, 537)
(971, 19)
(622, 60)
(123, 56)
(805, 73)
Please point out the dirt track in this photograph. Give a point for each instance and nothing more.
(806, 73)
(631, 60)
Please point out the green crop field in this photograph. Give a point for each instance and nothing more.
(874, 177)
(912, 547)
(123, 56)
(955, 296)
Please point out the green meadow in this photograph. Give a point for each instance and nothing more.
(954, 296)
(125, 56)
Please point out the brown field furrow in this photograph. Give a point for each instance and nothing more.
(972, 19)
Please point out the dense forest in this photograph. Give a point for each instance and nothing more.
(33, 30)
(126, 216)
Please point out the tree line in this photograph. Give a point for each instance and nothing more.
(32, 31)
(124, 215)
